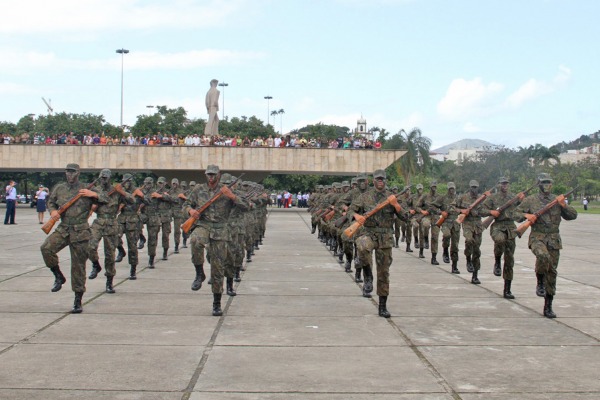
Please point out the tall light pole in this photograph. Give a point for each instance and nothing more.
(149, 107)
(223, 85)
(122, 52)
(268, 115)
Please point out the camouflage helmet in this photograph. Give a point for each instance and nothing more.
(72, 167)
(174, 180)
(353, 181)
(183, 184)
(127, 177)
(362, 177)
(473, 183)
(161, 179)
(503, 179)
(433, 184)
(394, 187)
(226, 179)
(212, 169)
(379, 173)
(105, 173)
(149, 180)
(192, 184)
(451, 185)
(419, 186)
(545, 178)
(336, 185)
(345, 184)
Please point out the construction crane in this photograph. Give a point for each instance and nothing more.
(50, 109)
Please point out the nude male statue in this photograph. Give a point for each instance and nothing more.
(212, 108)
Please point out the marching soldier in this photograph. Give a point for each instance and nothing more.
(130, 222)
(426, 207)
(73, 231)
(164, 212)
(450, 228)
(416, 219)
(176, 211)
(151, 218)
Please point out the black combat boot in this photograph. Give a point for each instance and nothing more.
(540, 290)
(229, 284)
(176, 251)
(357, 274)
(416, 242)
(507, 293)
(151, 262)
(164, 257)
(109, 284)
(426, 241)
(446, 256)
(314, 228)
(142, 242)
(548, 313)
(132, 271)
(396, 243)
(200, 277)
(237, 277)
(497, 267)
(421, 253)
(408, 249)
(121, 254)
(434, 261)
(256, 245)
(469, 264)
(474, 278)
(348, 266)
(77, 309)
(96, 268)
(368, 285)
(59, 279)
(455, 268)
(403, 238)
(260, 240)
(383, 312)
(248, 256)
(340, 256)
(184, 242)
(217, 312)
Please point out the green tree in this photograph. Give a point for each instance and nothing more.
(417, 152)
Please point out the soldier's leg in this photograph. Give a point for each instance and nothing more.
(476, 255)
(365, 246)
(403, 230)
(96, 237)
(166, 234)
(110, 246)
(409, 235)
(454, 240)
(153, 229)
(79, 255)
(425, 225)
(132, 251)
(509, 259)
(383, 258)
(238, 257)
(177, 232)
(54, 243)
(217, 252)
(435, 235)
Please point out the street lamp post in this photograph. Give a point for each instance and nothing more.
(223, 85)
(268, 116)
(149, 107)
(122, 52)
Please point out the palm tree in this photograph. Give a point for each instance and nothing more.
(281, 112)
(417, 153)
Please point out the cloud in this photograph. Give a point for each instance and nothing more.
(534, 88)
(34, 16)
(466, 99)
(470, 127)
(9, 88)
(20, 61)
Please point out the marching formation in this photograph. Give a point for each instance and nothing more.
(224, 221)
(356, 220)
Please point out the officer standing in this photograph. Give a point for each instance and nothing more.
(376, 235)
(73, 231)
(544, 240)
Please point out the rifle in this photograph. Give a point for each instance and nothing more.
(487, 222)
(187, 225)
(352, 229)
(113, 191)
(342, 220)
(461, 217)
(47, 227)
(525, 225)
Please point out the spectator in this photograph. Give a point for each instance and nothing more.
(11, 203)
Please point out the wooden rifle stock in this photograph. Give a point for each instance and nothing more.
(461, 217)
(442, 219)
(352, 229)
(328, 216)
(488, 221)
(47, 227)
(189, 223)
(521, 229)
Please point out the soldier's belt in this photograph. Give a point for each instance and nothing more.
(105, 216)
(378, 229)
(73, 221)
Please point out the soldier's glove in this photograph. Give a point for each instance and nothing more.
(155, 195)
(359, 218)
(394, 202)
(531, 218)
(561, 200)
(227, 192)
(120, 190)
(88, 193)
(138, 193)
(495, 213)
(425, 212)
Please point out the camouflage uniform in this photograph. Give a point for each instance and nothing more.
(416, 219)
(426, 207)
(73, 231)
(376, 235)
(164, 213)
(472, 229)
(129, 224)
(450, 228)
(177, 212)
(406, 201)
(544, 240)
(150, 217)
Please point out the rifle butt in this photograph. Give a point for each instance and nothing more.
(187, 225)
(47, 227)
(521, 229)
(487, 222)
(461, 218)
(440, 221)
(351, 230)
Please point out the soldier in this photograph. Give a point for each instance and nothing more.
(544, 240)
(176, 211)
(472, 229)
(376, 235)
(73, 231)
(416, 220)
(164, 212)
(503, 231)
(105, 228)
(362, 184)
(343, 202)
(426, 205)
(211, 231)
(397, 224)
(151, 218)
(130, 222)
(450, 228)
(406, 203)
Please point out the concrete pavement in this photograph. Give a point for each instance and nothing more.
(299, 327)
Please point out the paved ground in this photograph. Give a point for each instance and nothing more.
(299, 328)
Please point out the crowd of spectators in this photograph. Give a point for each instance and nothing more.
(296, 141)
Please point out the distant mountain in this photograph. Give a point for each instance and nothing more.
(464, 144)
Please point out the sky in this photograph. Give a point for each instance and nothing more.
(512, 72)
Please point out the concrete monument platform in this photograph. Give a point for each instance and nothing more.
(299, 327)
